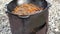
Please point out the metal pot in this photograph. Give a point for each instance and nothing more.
(26, 24)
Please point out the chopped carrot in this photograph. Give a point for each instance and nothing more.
(26, 9)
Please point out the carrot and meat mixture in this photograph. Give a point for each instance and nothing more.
(26, 9)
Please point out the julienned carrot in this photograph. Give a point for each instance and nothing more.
(26, 9)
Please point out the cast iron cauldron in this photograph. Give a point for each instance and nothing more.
(32, 24)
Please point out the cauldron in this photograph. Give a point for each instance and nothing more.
(32, 24)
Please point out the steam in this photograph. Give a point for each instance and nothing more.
(19, 2)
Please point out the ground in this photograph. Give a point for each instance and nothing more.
(54, 17)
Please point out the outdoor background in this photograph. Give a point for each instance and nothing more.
(54, 17)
